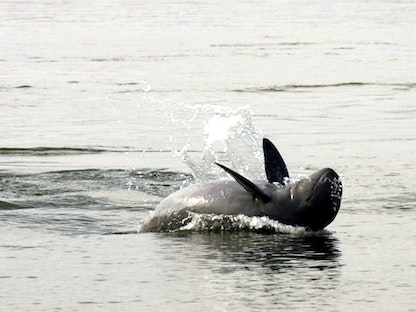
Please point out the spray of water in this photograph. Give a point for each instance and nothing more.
(229, 137)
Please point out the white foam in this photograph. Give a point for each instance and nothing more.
(233, 223)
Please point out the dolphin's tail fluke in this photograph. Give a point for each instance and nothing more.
(276, 170)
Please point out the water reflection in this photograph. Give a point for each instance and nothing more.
(299, 271)
(278, 252)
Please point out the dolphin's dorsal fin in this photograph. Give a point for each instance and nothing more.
(276, 170)
(247, 185)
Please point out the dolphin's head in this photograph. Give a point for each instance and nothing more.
(317, 198)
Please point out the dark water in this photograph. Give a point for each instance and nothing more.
(107, 109)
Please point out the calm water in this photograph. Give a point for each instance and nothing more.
(108, 108)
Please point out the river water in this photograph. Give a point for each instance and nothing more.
(108, 107)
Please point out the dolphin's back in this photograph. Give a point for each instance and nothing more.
(217, 197)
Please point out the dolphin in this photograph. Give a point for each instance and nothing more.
(311, 202)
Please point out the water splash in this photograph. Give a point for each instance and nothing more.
(229, 137)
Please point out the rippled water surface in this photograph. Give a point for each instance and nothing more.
(107, 109)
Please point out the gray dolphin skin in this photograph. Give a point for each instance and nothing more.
(311, 202)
